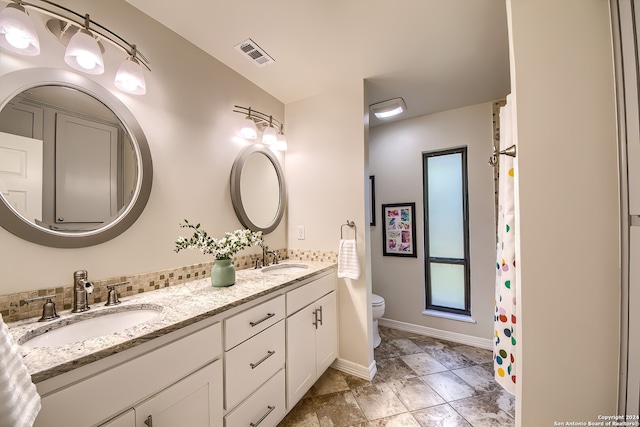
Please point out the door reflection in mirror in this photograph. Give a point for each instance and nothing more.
(85, 156)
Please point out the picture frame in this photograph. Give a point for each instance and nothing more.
(399, 230)
(372, 199)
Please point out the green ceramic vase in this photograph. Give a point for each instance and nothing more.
(223, 273)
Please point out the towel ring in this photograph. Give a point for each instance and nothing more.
(350, 224)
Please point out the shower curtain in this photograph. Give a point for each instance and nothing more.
(504, 347)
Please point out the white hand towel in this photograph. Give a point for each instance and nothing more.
(348, 265)
(19, 400)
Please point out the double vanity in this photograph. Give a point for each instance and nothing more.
(189, 354)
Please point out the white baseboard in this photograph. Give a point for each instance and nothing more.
(355, 369)
(438, 333)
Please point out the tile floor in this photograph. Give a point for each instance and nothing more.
(421, 382)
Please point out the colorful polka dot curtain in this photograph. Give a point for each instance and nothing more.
(504, 348)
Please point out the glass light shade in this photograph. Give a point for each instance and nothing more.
(83, 53)
(389, 108)
(269, 136)
(389, 113)
(130, 78)
(249, 130)
(17, 33)
(281, 144)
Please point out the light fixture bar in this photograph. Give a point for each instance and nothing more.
(102, 31)
(260, 118)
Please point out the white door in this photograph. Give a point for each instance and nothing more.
(301, 354)
(195, 401)
(327, 333)
(21, 174)
(86, 170)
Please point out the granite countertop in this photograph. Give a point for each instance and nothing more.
(179, 306)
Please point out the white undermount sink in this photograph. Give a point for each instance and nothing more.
(284, 268)
(91, 327)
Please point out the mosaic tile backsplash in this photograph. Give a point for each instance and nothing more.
(13, 306)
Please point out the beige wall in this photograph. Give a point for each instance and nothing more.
(569, 287)
(395, 156)
(326, 178)
(188, 120)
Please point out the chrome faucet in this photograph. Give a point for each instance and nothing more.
(265, 256)
(275, 256)
(81, 288)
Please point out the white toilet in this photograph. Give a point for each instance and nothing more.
(377, 307)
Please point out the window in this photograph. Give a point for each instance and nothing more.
(446, 231)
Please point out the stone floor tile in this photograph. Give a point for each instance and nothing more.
(482, 411)
(440, 416)
(402, 420)
(395, 347)
(449, 386)
(332, 381)
(338, 410)
(478, 377)
(392, 369)
(423, 364)
(378, 401)
(477, 355)
(415, 394)
(451, 358)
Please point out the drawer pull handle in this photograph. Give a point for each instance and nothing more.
(149, 421)
(270, 409)
(269, 354)
(267, 317)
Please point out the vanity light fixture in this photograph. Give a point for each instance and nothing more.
(79, 34)
(17, 32)
(129, 77)
(249, 129)
(269, 135)
(389, 108)
(272, 129)
(83, 52)
(281, 143)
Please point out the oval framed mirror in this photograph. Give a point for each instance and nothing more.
(258, 191)
(75, 165)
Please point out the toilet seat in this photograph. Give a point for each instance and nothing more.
(376, 300)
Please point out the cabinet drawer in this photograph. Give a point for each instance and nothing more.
(244, 325)
(250, 364)
(264, 408)
(305, 295)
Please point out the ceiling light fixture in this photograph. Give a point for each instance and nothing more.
(272, 130)
(83, 52)
(389, 108)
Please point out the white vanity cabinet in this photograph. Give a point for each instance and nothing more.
(183, 375)
(312, 335)
(195, 401)
(246, 366)
(254, 365)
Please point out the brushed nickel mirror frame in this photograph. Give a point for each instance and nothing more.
(236, 194)
(16, 82)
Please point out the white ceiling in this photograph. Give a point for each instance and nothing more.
(436, 54)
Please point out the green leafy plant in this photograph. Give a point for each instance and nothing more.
(224, 248)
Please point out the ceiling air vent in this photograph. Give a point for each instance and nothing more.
(254, 53)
